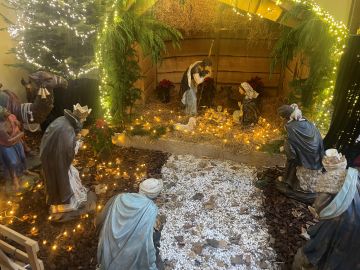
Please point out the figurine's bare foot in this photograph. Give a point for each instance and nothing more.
(27, 172)
(16, 184)
(30, 153)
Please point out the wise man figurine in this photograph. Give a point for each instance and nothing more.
(64, 192)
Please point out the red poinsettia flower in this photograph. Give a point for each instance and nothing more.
(209, 80)
(100, 123)
(166, 84)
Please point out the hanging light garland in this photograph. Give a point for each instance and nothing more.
(105, 98)
(338, 30)
(64, 15)
(104, 93)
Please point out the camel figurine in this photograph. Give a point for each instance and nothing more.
(42, 83)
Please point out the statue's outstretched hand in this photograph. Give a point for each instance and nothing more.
(78, 144)
(84, 132)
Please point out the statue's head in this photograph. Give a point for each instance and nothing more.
(285, 112)
(81, 112)
(151, 187)
(42, 79)
(206, 62)
(290, 112)
(247, 90)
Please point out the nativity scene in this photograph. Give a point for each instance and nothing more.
(174, 134)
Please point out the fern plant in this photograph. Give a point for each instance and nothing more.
(312, 39)
(124, 29)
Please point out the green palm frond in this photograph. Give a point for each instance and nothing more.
(118, 62)
(312, 39)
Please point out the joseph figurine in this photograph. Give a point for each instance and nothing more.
(60, 143)
(193, 76)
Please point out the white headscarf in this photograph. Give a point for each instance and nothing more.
(296, 115)
(249, 91)
(189, 72)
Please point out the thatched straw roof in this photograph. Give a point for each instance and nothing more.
(209, 16)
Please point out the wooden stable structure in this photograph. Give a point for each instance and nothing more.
(235, 60)
(11, 257)
(236, 57)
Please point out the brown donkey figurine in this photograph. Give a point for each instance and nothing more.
(40, 88)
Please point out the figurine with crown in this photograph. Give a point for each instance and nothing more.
(62, 139)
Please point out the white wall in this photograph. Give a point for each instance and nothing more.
(9, 76)
(340, 9)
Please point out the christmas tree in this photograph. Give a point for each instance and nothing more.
(56, 35)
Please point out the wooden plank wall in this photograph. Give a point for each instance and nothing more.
(235, 60)
(298, 68)
(147, 83)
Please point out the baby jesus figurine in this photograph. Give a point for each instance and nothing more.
(59, 145)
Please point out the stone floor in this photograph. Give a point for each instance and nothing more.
(214, 216)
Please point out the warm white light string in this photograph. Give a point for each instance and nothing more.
(65, 15)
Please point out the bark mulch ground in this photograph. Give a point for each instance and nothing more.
(73, 245)
(285, 218)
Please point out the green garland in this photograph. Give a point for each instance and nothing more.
(124, 28)
(321, 40)
(154, 133)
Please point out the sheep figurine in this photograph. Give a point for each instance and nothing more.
(190, 126)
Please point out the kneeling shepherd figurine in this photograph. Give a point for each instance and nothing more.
(128, 234)
(335, 240)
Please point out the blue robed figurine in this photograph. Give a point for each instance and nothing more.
(334, 241)
(304, 151)
(128, 228)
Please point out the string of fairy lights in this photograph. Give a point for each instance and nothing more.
(64, 15)
(217, 127)
(107, 175)
(105, 98)
(336, 29)
(26, 19)
(324, 109)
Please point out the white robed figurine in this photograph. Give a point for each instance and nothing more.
(193, 76)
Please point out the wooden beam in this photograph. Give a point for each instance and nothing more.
(228, 77)
(18, 254)
(354, 18)
(6, 263)
(225, 63)
(31, 246)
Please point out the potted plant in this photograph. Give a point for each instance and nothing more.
(100, 140)
(163, 90)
